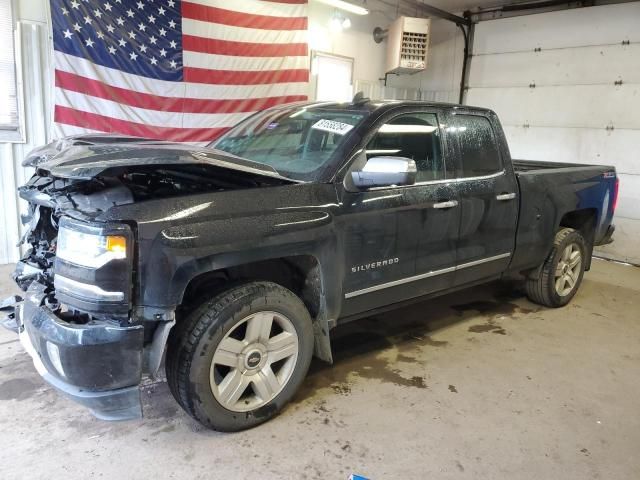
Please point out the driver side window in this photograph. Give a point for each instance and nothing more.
(415, 136)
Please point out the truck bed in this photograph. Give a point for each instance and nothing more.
(547, 189)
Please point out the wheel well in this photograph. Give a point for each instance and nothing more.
(585, 222)
(582, 220)
(300, 274)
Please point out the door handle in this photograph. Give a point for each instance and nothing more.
(443, 205)
(505, 196)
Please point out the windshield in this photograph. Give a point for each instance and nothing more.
(297, 141)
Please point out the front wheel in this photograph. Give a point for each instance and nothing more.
(239, 358)
(562, 271)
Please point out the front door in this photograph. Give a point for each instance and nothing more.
(400, 242)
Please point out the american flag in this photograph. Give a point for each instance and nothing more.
(175, 70)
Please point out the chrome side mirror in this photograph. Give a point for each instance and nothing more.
(385, 172)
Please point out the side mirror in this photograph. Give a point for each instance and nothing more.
(385, 172)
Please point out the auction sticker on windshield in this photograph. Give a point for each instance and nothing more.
(332, 126)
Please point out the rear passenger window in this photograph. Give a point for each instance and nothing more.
(415, 136)
(479, 153)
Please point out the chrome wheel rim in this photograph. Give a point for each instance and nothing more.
(568, 270)
(254, 361)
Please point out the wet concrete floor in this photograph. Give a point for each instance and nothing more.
(478, 384)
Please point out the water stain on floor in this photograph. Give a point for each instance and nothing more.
(488, 327)
(374, 348)
(364, 355)
(496, 307)
(17, 389)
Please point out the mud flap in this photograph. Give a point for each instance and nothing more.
(322, 343)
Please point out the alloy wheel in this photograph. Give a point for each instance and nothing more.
(568, 270)
(254, 361)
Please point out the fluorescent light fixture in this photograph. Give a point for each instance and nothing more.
(346, 6)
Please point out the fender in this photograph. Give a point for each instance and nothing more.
(183, 238)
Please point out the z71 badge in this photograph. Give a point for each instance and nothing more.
(375, 265)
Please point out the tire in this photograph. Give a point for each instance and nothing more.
(225, 366)
(549, 289)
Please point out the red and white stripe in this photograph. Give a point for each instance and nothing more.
(226, 78)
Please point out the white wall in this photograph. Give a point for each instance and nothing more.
(564, 118)
(355, 42)
(441, 80)
(36, 78)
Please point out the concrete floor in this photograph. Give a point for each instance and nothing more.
(480, 384)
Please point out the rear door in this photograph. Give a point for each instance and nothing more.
(487, 192)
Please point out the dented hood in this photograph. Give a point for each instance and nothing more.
(89, 156)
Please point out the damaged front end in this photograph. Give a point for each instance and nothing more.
(75, 318)
(79, 320)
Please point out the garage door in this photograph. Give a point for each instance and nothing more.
(567, 87)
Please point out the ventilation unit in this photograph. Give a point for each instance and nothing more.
(408, 45)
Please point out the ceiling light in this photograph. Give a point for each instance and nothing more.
(339, 22)
(346, 6)
(335, 24)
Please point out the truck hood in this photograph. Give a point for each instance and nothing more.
(89, 156)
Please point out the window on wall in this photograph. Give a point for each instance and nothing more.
(333, 77)
(9, 111)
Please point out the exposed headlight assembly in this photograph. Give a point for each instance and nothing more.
(93, 266)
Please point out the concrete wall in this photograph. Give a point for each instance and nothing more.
(573, 57)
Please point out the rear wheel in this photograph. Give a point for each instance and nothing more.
(239, 358)
(562, 271)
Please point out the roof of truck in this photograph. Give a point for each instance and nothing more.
(369, 105)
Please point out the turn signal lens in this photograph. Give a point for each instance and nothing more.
(116, 244)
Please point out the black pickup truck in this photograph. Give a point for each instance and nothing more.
(238, 259)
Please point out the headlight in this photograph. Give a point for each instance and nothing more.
(90, 249)
(93, 266)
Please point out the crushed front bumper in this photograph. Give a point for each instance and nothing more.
(98, 365)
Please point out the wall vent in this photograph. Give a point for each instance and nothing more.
(408, 45)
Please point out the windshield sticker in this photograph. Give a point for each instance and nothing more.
(331, 126)
(273, 125)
